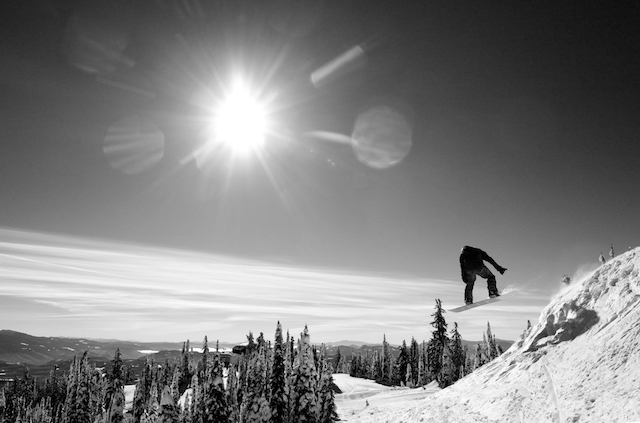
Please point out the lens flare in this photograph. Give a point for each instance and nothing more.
(345, 63)
(381, 137)
(96, 37)
(133, 145)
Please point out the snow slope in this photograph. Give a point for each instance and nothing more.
(365, 400)
(579, 363)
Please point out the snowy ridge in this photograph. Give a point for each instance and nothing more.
(579, 363)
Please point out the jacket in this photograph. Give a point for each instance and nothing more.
(473, 259)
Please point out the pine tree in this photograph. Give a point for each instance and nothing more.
(195, 407)
(354, 369)
(168, 409)
(288, 374)
(115, 382)
(85, 410)
(54, 389)
(185, 370)
(438, 359)
(401, 365)
(377, 367)
(469, 361)
(77, 407)
(41, 412)
(268, 358)
(255, 406)
(72, 393)
(342, 366)
(166, 376)
(279, 383)
(215, 397)
(143, 389)
(152, 409)
(175, 384)
(3, 403)
(414, 362)
(186, 415)
(480, 356)
(492, 350)
(326, 399)
(386, 360)
(304, 389)
(458, 357)
(205, 356)
(424, 372)
(232, 389)
(251, 345)
(409, 378)
(116, 406)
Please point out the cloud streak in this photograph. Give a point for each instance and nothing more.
(152, 294)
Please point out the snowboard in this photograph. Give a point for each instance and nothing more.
(478, 303)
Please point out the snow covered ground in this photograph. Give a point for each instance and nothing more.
(579, 363)
(364, 400)
(129, 393)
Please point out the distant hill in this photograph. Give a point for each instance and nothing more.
(17, 347)
(20, 351)
(347, 344)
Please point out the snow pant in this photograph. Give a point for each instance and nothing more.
(470, 278)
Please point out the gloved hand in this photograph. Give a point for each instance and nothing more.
(502, 270)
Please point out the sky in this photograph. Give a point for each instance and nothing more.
(395, 135)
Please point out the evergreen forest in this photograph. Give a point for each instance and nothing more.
(284, 381)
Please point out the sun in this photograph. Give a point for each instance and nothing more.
(240, 121)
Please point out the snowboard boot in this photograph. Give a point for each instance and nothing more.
(492, 287)
(468, 293)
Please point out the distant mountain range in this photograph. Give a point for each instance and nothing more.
(17, 347)
(19, 351)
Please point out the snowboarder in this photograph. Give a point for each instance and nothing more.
(566, 280)
(611, 253)
(601, 258)
(472, 264)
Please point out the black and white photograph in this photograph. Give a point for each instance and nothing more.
(316, 211)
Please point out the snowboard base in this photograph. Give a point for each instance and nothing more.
(478, 304)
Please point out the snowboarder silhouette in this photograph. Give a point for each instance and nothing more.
(472, 264)
(611, 253)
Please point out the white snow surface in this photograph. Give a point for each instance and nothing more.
(579, 363)
(364, 400)
(129, 393)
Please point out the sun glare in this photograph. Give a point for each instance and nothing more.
(240, 121)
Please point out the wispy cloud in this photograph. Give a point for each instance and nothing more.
(130, 292)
